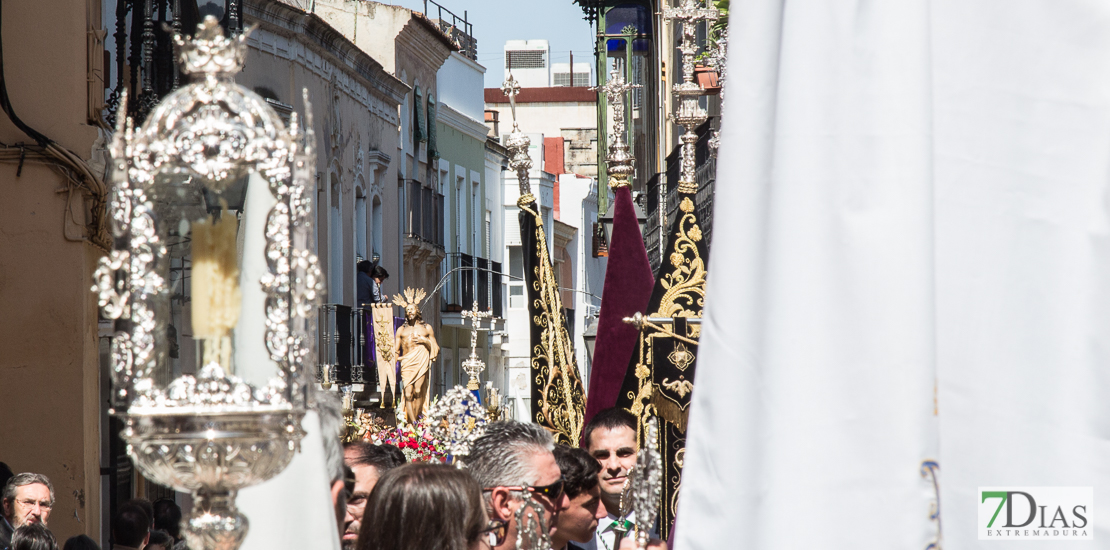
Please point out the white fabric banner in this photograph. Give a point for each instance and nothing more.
(917, 199)
(1023, 266)
(813, 407)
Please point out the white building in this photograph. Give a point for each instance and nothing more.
(583, 75)
(568, 226)
(529, 61)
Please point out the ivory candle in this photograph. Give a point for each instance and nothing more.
(215, 284)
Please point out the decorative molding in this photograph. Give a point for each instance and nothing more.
(423, 43)
(378, 160)
(563, 234)
(321, 45)
(454, 119)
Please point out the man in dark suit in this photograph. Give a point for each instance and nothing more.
(26, 498)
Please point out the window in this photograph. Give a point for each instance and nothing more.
(377, 227)
(335, 240)
(516, 264)
(460, 213)
(516, 296)
(360, 225)
(516, 275)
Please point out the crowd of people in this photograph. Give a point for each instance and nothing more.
(28, 498)
(515, 484)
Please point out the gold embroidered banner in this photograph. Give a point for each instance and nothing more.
(558, 399)
(660, 377)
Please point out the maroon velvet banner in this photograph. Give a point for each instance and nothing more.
(628, 284)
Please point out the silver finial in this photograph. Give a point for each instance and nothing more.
(517, 144)
(647, 483)
(619, 161)
(474, 365)
(510, 87)
(690, 115)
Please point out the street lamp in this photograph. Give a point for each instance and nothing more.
(606, 219)
(589, 336)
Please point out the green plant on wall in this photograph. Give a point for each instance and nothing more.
(715, 31)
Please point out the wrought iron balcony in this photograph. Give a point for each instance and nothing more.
(143, 64)
(471, 279)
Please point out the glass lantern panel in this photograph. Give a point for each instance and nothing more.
(214, 262)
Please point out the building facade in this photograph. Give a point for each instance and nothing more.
(472, 270)
(52, 168)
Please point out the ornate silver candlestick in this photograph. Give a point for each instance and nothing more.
(620, 158)
(690, 115)
(212, 184)
(474, 365)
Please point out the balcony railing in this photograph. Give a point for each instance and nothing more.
(458, 28)
(424, 213)
(343, 353)
(471, 279)
(143, 61)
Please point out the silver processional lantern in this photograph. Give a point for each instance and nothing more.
(239, 282)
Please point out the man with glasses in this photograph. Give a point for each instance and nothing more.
(514, 464)
(367, 462)
(27, 498)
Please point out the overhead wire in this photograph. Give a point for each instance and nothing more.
(73, 168)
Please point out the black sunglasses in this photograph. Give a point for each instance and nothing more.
(552, 492)
(497, 530)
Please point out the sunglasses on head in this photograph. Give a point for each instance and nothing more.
(552, 492)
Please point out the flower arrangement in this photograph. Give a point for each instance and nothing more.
(417, 441)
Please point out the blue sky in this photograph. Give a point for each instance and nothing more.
(559, 22)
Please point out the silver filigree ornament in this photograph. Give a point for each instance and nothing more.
(517, 143)
(646, 483)
(532, 531)
(212, 433)
(690, 115)
(457, 419)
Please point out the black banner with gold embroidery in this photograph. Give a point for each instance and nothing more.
(558, 399)
(660, 376)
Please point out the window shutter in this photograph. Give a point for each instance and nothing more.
(433, 152)
(418, 134)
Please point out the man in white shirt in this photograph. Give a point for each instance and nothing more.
(610, 438)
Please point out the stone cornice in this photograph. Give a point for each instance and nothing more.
(424, 44)
(449, 116)
(564, 234)
(315, 33)
(377, 159)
